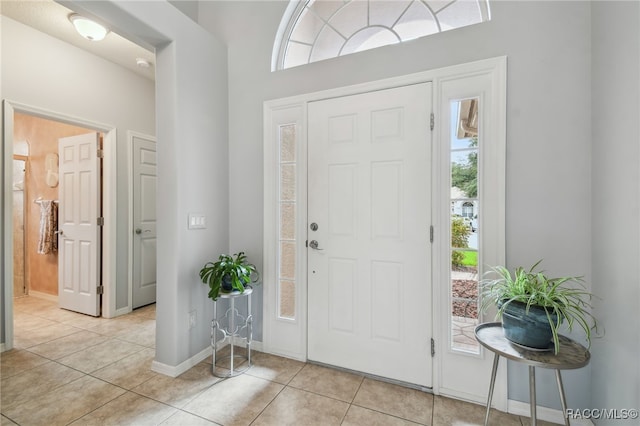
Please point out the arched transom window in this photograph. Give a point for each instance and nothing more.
(314, 30)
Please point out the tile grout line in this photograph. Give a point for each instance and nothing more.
(84, 375)
(269, 404)
(350, 403)
(352, 400)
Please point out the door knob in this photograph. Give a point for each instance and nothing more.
(314, 245)
(138, 231)
(60, 232)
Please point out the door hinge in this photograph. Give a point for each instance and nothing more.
(100, 153)
(431, 233)
(432, 122)
(100, 289)
(306, 243)
(100, 221)
(433, 347)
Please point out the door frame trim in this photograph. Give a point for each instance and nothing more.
(130, 135)
(109, 201)
(298, 105)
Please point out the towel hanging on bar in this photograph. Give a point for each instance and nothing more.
(48, 240)
(39, 200)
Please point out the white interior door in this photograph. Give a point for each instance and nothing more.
(144, 221)
(79, 236)
(369, 276)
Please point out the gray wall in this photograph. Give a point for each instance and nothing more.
(188, 7)
(191, 81)
(548, 127)
(191, 110)
(41, 71)
(616, 190)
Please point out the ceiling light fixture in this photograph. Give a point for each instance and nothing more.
(87, 28)
(143, 63)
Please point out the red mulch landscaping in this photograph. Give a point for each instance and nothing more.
(467, 289)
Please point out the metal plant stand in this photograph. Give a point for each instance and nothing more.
(237, 325)
(571, 355)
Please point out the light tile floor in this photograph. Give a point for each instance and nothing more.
(68, 368)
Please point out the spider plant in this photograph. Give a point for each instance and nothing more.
(562, 298)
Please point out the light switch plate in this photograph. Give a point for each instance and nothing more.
(197, 221)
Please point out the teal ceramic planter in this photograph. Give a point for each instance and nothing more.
(530, 328)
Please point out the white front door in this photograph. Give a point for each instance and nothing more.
(369, 257)
(79, 231)
(144, 221)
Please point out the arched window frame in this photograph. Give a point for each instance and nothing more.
(295, 9)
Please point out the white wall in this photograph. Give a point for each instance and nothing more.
(616, 203)
(548, 127)
(41, 71)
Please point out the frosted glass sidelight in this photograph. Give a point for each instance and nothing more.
(287, 213)
(288, 143)
(287, 182)
(287, 260)
(287, 221)
(287, 299)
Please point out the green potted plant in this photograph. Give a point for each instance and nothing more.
(228, 273)
(533, 306)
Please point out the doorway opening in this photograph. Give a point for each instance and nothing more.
(20, 176)
(13, 112)
(36, 198)
(453, 368)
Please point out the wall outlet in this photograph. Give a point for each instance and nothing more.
(192, 319)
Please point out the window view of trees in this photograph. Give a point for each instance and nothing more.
(465, 176)
(460, 232)
(464, 224)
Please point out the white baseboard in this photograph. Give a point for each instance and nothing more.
(2, 349)
(543, 413)
(175, 371)
(44, 296)
(467, 397)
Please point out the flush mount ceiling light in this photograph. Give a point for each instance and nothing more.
(87, 28)
(143, 63)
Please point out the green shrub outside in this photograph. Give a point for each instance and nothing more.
(459, 239)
